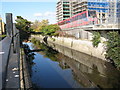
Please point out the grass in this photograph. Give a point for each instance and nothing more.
(2, 37)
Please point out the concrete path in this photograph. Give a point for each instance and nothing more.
(12, 79)
(9, 65)
(4, 55)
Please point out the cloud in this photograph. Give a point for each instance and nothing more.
(51, 16)
(49, 13)
(38, 14)
(45, 14)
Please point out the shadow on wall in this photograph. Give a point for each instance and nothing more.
(45, 39)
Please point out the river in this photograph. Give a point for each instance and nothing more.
(60, 67)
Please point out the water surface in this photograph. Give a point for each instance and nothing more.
(61, 67)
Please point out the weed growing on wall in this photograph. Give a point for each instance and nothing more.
(113, 48)
(96, 39)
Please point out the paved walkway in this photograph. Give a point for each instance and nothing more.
(8, 58)
(4, 53)
(12, 78)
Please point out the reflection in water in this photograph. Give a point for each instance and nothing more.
(29, 56)
(82, 69)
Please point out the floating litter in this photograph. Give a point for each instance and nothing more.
(2, 52)
(6, 79)
(15, 69)
(16, 75)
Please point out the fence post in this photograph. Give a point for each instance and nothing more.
(15, 34)
(9, 24)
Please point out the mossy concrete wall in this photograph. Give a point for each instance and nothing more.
(84, 46)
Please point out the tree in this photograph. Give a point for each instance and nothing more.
(37, 26)
(44, 22)
(24, 26)
(50, 30)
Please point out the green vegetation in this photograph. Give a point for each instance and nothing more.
(33, 40)
(50, 30)
(24, 26)
(96, 39)
(2, 36)
(113, 48)
(53, 39)
(45, 28)
(48, 51)
(37, 26)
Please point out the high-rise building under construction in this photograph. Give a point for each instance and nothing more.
(106, 10)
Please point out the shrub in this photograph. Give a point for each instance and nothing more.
(113, 48)
(96, 39)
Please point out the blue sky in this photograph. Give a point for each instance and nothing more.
(31, 10)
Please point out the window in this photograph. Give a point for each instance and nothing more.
(92, 13)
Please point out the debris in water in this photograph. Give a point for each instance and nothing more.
(15, 69)
(16, 75)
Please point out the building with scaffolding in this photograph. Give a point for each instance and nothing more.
(118, 12)
(107, 10)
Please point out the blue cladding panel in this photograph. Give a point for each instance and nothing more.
(99, 9)
(97, 6)
(118, 9)
(105, 4)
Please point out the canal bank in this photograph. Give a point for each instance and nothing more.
(25, 81)
(83, 46)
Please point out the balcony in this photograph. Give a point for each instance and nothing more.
(66, 10)
(66, 14)
(66, 7)
(67, 3)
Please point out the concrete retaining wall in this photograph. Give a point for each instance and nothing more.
(83, 46)
(25, 80)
